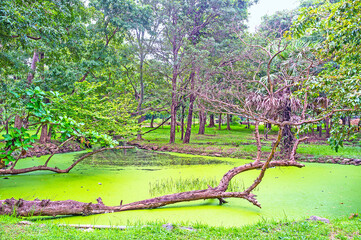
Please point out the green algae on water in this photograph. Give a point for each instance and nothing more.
(326, 190)
(139, 157)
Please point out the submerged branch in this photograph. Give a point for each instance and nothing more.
(13, 171)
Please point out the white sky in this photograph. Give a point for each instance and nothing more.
(269, 7)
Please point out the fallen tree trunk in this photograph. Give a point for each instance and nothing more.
(69, 207)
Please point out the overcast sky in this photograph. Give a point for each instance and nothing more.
(268, 7)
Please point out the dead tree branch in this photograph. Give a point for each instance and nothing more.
(69, 207)
(13, 171)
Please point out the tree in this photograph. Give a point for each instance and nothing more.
(224, 13)
(269, 98)
(63, 44)
(28, 30)
(185, 26)
(142, 40)
(270, 81)
(282, 96)
(112, 21)
(40, 113)
(337, 24)
(277, 23)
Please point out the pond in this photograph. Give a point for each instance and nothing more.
(326, 190)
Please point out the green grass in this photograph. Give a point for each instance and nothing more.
(237, 142)
(342, 228)
(325, 150)
(174, 185)
(136, 157)
(240, 141)
(236, 136)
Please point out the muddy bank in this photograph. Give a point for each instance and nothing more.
(39, 149)
(331, 159)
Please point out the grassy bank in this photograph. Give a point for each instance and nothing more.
(343, 228)
(237, 142)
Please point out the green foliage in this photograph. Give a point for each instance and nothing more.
(338, 24)
(24, 21)
(38, 113)
(340, 133)
(54, 27)
(100, 107)
(277, 23)
(15, 139)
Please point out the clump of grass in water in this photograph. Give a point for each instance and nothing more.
(138, 157)
(174, 185)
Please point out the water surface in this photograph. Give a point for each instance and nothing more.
(325, 190)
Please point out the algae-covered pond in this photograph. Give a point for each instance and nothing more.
(326, 190)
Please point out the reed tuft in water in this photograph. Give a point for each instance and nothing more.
(174, 185)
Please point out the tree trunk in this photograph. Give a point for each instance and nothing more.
(173, 109)
(18, 122)
(173, 119)
(49, 134)
(182, 121)
(205, 118)
(258, 141)
(139, 134)
(327, 127)
(343, 120)
(44, 134)
(141, 95)
(287, 136)
(220, 121)
(152, 121)
(228, 122)
(42, 66)
(320, 130)
(327, 122)
(211, 121)
(7, 126)
(192, 98)
(69, 207)
(202, 122)
(267, 129)
(33, 67)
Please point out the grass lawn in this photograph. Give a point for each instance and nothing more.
(240, 141)
(343, 228)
